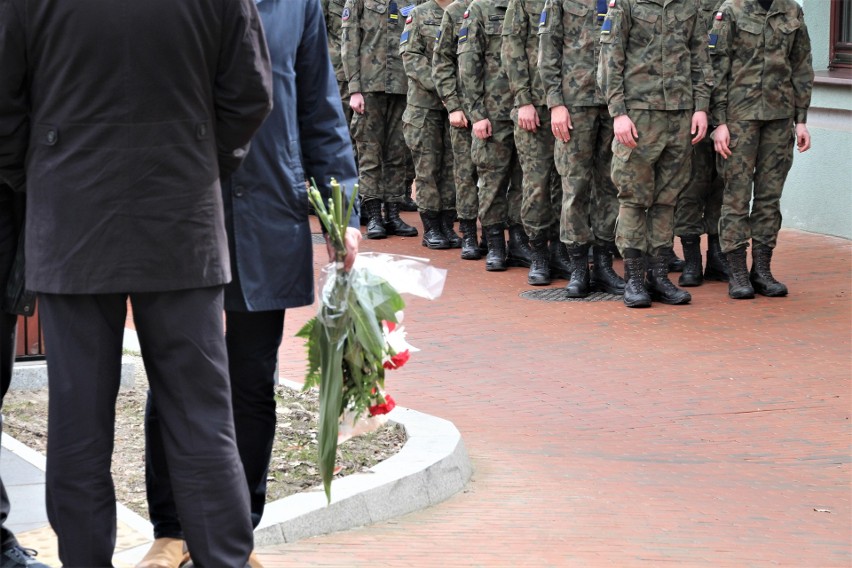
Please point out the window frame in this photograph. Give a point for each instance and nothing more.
(840, 52)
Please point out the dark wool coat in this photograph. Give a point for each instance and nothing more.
(304, 137)
(117, 118)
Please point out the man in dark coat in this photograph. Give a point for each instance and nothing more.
(12, 554)
(118, 119)
(266, 213)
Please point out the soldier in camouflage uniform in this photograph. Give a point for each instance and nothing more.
(761, 55)
(426, 127)
(569, 33)
(377, 87)
(448, 85)
(542, 191)
(700, 203)
(333, 11)
(656, 78)
(488, 102)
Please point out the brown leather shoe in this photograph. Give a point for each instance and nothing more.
(254, 562)
(165, 553)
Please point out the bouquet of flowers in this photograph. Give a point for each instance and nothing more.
(355, 336)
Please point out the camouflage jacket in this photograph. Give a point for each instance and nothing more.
(654, 56)
(445, 60)
(520, 51)
(415, 47)
(370, 45)
(762, 62)
(333, 11)
(569, 34)
(484, 80)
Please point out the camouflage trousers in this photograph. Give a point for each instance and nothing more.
(700, 203)
(464, 174)
(541, 194)
(343, 87)
(381, 147)
(650, 177)
(589, 198)
(761, 156)
(427, 133)
(500, 179)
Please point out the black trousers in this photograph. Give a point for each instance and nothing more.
(252, 339)
(181, 335)
(8, 325)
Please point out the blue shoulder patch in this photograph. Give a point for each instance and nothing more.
(438, 36)
(403, 39)
(407, 10)
(711, 42)
(542, 21)
(606, 28)
(463, 35)
(345, 15)
(602, 8)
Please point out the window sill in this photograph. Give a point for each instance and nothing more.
(833, 77)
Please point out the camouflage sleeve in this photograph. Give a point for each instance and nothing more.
(702, 73)
(444, 65)
(514, 52)
(614, 32)
(718, 46)
(803, 71)
(417, 66)
(550, 52)
(350, 43)
(472, 65)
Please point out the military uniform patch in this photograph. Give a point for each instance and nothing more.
(720, 16)
(409, 19)
(711, 43)
(393, 11)
(438, 37)
(602, 7)
(612, 3)
(466, 14)
(463, 35)
(403, 39)
(407, 10)
(345, 15)
(606, 28)
(542, 21)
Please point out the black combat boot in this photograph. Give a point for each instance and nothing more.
(660, 287)
(560, 262)
(408, 204)
(375, 226)
(539, 274)
(606, 279)
(717, 265)
(394, 225)
(692, 274)
(761, 276)
(519, 253)
(447, 218)
(739, 287)
(635, 293)
(673, 262)
(578, 286)
(495, 260)
(433, 236)
(470, 248)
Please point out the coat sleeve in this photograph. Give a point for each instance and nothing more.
(14, 103)
(803, 71)
(550, 52)
(719, 47)
(350, 43)
(243, 87)
(514, 53)
(418, 67)
(444, 65)
(472, 67)
(613, 58)
(324, 136)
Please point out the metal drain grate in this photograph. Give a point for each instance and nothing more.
(559, 295)
(317, 239)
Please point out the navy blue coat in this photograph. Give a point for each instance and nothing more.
(305, 136)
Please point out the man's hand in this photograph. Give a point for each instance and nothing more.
(528, 118)
(351, 240)
(803, 137)
(356, 102)
(560, 123)
(699, 126)
(458, 119)
(722, 141)
(482, 129)
(625, 131)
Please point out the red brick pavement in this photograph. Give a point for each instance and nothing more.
(713, 434)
